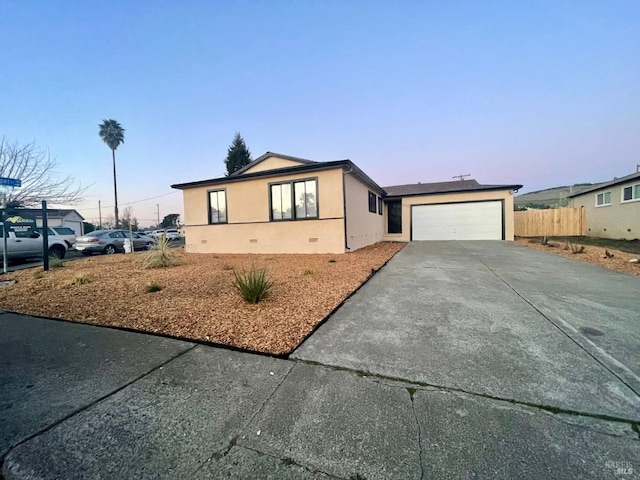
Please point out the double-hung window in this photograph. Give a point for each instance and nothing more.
(631, 193)
(296, 200)
(217, 206)
(603, 199)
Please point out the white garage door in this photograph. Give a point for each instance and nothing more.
(457, 221)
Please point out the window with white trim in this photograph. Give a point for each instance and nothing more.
(603, 199)
(631, 193)
(217, 206)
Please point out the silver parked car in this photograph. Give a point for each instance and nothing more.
(111, 241)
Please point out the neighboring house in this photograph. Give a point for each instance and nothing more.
(58, 218)
(612, 209)
(284, 204)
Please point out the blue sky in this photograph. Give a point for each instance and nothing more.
(540, 93)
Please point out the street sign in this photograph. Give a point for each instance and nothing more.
(10, 182)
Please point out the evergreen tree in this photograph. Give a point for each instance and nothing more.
(238, 155)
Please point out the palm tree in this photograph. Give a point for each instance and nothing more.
(112, 133)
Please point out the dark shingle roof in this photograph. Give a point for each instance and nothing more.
(601, 186)
(443, 187)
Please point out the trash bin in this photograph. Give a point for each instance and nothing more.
(127, 245)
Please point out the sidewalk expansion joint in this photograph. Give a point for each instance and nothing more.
(411, 392)
(97, 401)
(376, 377)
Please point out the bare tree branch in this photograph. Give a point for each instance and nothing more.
(40, 180)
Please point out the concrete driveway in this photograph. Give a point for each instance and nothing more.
(496, 320)
(478, 369)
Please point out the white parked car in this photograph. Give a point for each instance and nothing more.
(172, 234)
(28, 244)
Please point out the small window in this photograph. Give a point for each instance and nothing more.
(372, 202)
(218, 206)
(64, 230)
(116, 235)
(631, 193)
(394, 216)
(603, 199)
(379, 205)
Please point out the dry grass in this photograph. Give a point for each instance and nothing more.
(198, 298)
(591, 254)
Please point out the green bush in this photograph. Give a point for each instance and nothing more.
(253, 285)
(153, 287)
(161, 255)
(308, 271)
(55, 262)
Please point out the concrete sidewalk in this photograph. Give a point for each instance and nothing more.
(83, 402)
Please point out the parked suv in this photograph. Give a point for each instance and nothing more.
(28, 244)
(66, 234)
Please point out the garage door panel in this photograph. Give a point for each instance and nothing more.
(457, 221)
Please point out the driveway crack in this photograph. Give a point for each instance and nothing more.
(411, 392)
(376, 377)
(262, 405)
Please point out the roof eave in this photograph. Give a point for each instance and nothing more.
(447, 192)
(264, 173)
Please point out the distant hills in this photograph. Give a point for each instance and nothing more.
(551, 197)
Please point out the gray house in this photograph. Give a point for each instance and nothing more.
(612, 209)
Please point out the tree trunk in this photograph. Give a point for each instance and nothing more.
(115, 190)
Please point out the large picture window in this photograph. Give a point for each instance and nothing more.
(218, 206)
(394, 216)
(296, 200)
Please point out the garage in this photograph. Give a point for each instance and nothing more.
(481, 220)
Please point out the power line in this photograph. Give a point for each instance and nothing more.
(132, 203)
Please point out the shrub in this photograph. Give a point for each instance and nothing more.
(332, 260)
(308, 271)
(80, 279)
(253, 285)
(160, 256)
(154, 287)
(55, 262)
(575, 248)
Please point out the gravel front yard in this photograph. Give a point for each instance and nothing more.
(198, 299)
(591, 254)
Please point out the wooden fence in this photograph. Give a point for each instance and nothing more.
(552, 222)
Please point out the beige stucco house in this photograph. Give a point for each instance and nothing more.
(284, 204)
(612, 209)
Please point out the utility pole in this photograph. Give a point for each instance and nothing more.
(158, 207)
(461, 177)
(99, 215)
